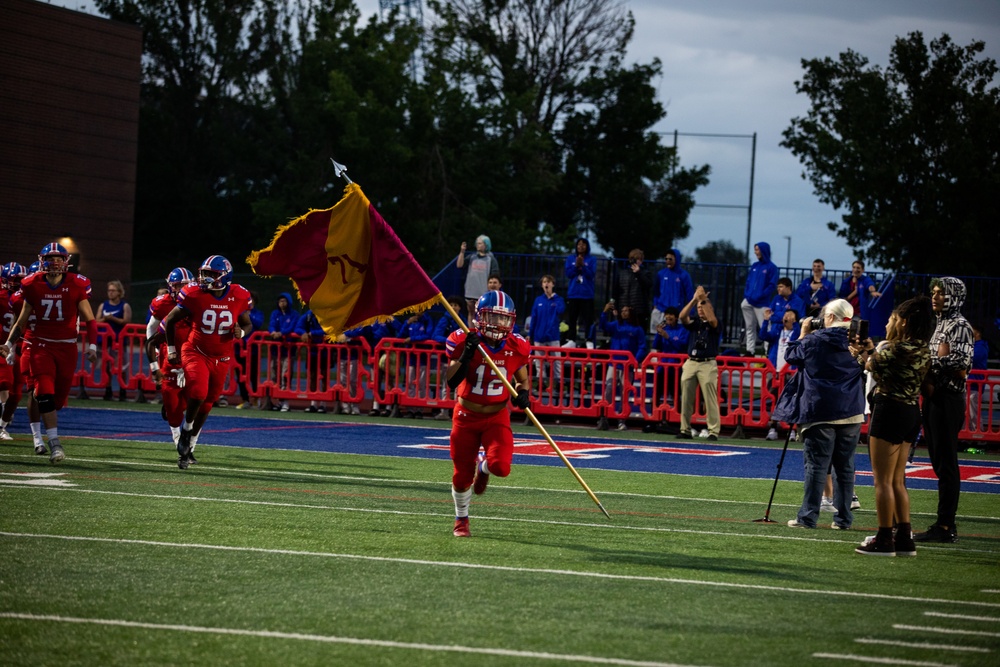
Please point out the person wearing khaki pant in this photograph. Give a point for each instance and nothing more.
(701, 369)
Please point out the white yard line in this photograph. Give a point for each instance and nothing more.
(332, 639)
(504, 568)
(946, 631)
(963, 617)
(871, 660)
(782, 534)
(924, 645)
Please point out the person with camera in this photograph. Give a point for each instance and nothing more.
(826, 398)
(898, 365)
(700, 369)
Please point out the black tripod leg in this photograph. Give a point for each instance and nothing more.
(767, 512)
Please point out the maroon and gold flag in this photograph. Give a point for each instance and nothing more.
(348, 265)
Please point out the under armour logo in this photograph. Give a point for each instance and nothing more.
(508, 353)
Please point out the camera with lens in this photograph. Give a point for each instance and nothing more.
(815, 323)
(633, 261)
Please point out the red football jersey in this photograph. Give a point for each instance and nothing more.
(481, 385)
(55, 308)
(14, 310)
(159, 308)
(6, 315)
(214, 319)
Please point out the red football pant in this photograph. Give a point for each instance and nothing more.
(204, 376)
(469, 430)
(52, 367)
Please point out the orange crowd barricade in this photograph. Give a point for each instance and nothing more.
(982, 407)
(133, 366)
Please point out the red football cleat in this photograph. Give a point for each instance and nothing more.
(462, 527)
(480, 480)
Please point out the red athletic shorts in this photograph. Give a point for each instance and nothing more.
(469, 430)
(53, 366)
(205, 376)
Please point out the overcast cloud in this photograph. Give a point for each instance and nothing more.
(730, 66)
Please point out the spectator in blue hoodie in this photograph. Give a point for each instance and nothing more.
(762, 280)
(281, 328)
(672, 288)
(546, 316)
(581, 268)
(625, 335)
(816, 290)
(310, 332)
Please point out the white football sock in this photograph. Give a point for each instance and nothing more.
(461, 502)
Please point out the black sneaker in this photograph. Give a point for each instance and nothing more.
(312, 408)
(937, 533)
(712, 437)
(374, 412)
(872, 546)
(905, 546)
(184, 449)
(685, 435)
(190, 457)
(602, 424)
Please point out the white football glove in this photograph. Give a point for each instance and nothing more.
(181, 380)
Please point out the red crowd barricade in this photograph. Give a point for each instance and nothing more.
(566, 381)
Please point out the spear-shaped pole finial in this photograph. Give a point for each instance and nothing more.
(340, 170)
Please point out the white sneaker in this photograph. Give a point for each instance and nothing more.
(622, 426)
(284, 407)
(772, 435)
(355, 410)
(855, 503)
(704, 434)
(827, 506)
(794, 435)
(4, 435)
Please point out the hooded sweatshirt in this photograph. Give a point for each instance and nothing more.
(762, 279)
(284, 322)
(952, 328)
(581, 278)
(673, 287)
(830, 384)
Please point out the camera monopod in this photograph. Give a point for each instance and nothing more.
(767, 513)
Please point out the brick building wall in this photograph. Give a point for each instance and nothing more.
(69, 126)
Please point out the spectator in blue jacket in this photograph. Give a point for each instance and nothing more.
(762, 280)
(671, 338)
(446, 323)
(581, 268)
(671, 289)
(310, 332)
(546, 318)
(816, 290)
(858, 290)
(980, 363)
(826, 398)
(418, 328)
(777, 343)
(784, 300)
(627, 336)
(281, 328)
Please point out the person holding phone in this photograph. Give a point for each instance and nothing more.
(898, 365)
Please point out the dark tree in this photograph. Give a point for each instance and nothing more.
(720, 252)
(910, 153)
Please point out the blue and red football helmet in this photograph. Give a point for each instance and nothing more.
(178, 278)
(54, 258)
(495, 316)
(11, 275)
(215, 273)
(35, 267)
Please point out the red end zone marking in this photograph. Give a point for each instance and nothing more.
(583, 450)
(971, 473)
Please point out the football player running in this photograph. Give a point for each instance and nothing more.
(219, 311)
(11, 276)
(168, 377)
(481, 417)
(57, 298)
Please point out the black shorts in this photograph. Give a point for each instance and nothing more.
(893, 421)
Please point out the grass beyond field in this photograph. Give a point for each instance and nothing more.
(267, 557)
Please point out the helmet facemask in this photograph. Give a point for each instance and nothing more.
(495, 324)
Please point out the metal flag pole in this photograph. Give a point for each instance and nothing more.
(341, 170)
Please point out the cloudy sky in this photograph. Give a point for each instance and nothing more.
(729, 68)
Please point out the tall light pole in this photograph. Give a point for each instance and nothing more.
(788, 254)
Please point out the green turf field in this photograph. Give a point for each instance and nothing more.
(265, 557)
